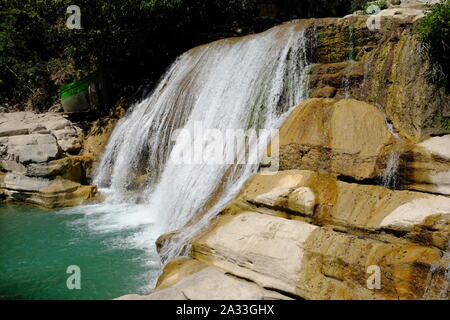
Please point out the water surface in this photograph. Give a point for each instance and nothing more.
(37, 246)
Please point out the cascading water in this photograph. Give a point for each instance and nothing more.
(351, 40)
(390, 175)
(444, 288)
(346, 87)
(250, 82)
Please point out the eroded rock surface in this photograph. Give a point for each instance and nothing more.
(317, 228)
(326, 253)
(39, 162)
(346, 137)
(203, 282)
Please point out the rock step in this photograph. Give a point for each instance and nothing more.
(307, 235)
(317, 263)
(200, 281)
(44, 192)
(321, 199)
(350, 138)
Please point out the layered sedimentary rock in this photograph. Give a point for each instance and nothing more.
(39, 160)
(96, 139)
(427, 166)
(386, 66)
(323, 227)
(346, 137)
(307, 235)
(350, 138)
(188, 279)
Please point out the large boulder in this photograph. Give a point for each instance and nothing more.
(346, 137)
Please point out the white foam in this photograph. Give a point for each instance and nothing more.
(252, 82)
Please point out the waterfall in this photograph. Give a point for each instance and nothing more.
(390, 174)
(346, 87)
(434, 289)
(351, 40)
(231, 84)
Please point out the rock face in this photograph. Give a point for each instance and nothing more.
(268, 237)
(323, 227)
(427, 166)
(345, 137)
(350, 138)
(97, 138)
(385, 67)
(202, 282)
(39, 162)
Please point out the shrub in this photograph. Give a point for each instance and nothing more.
(131, 41)
(434, 32)
(361, 6)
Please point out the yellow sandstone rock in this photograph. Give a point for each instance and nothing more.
(346, 137)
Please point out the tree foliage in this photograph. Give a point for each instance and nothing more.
(434, 31)
(131, 41)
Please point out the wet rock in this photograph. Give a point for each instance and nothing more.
(327, 253)
(325, 92)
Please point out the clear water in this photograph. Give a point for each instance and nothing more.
(242, 83)
(390, 178)
(37, 246)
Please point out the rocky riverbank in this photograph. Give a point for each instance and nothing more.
(363, 187)
(309, 234)
(320, 227)
(45, 159)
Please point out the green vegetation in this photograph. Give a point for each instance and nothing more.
(446, 123)
(434, 31)
(361, 6)
(131, 42)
